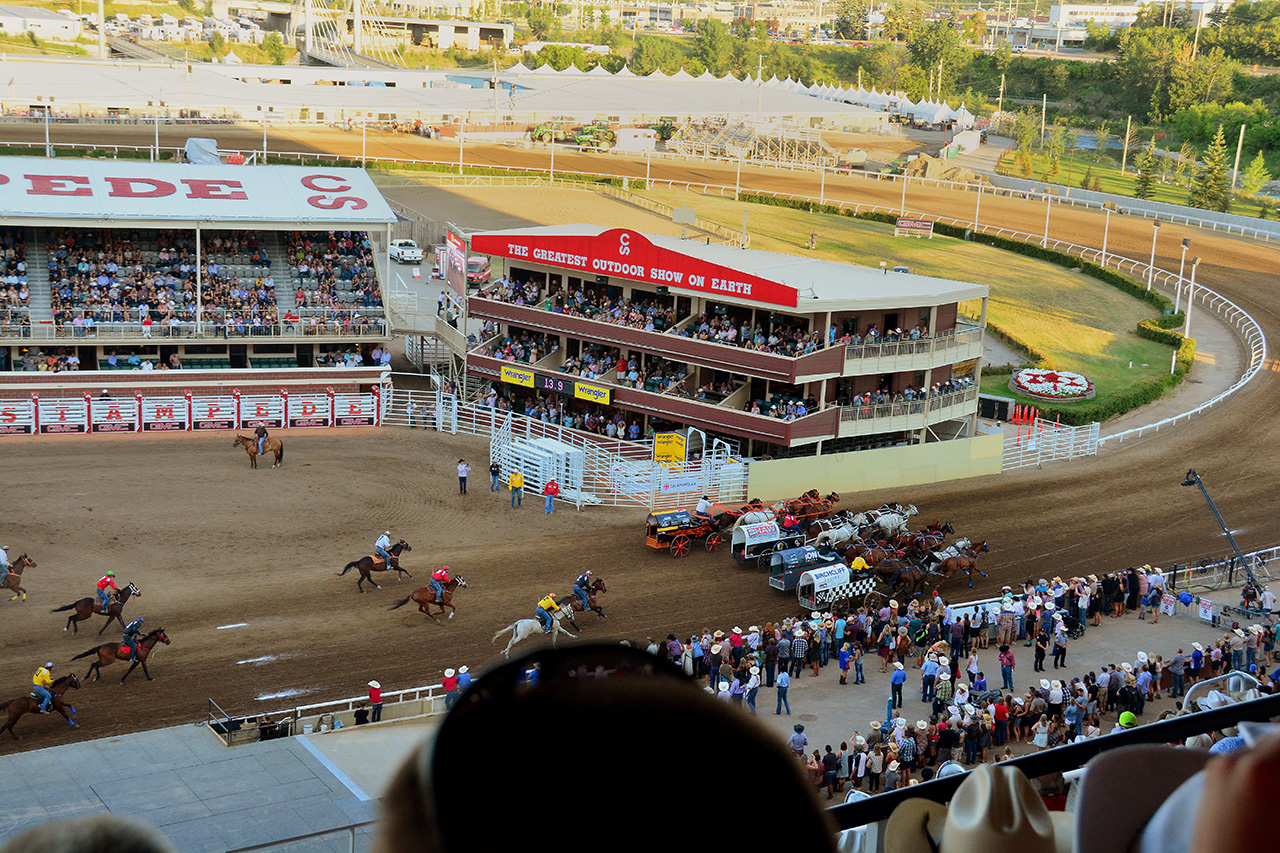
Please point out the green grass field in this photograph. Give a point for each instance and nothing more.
(1112, 180)
(1077, 322)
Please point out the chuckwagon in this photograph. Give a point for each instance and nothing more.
(819, 588)
(677, 531)
(786, 567)
(757, 535)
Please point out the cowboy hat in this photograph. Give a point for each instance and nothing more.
(737, 630)
(754, 628)
(897, 665)
(715, 649)
(1044, 684)
(718, 634)
(859, 741)
(1049, 605)
(449, 673)
(945, 675)
(875, 724)
(1197, 647)
(462, 669)
(375, 685)
(995, 808)
(1142, 657)
(1126, 666)
(1055, 684)
(755, 670)
(1239, 633)
(921, 725)
(893, 765)
(893, 602)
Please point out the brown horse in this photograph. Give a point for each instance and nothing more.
(871, 552)
(111, 652)
(901, 576)
(966, 562)
(425, 596)
(250, 445)
(13, 580)
(86, 608)
(365, 565)
(31, 705)
(576, 603)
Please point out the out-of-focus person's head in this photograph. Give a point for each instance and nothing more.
(612, 754)
(95, 834)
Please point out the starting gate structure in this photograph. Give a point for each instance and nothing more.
(1046, 441)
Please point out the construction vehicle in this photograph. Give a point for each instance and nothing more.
(551, 132)
(665, 128)
(597, 136)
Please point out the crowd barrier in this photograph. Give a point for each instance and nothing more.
(189, 412)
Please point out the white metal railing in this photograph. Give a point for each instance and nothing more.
(1047, 441)
(1214, 574)
(423, 701)
(364, 326)
(873, 411)
(920, 346)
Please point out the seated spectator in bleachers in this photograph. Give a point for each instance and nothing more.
(333, 269)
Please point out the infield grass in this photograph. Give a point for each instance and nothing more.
(1078, 323)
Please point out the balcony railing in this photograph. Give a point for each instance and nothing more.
(907, 407)
(945, 345)
(65, 334)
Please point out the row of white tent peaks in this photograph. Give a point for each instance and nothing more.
(925, 110)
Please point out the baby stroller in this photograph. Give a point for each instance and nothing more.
(1075, 627)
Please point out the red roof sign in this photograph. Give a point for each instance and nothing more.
(630, 255)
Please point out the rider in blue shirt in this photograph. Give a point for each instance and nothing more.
(130, 638)
(581, 588)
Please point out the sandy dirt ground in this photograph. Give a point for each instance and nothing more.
(212, 543)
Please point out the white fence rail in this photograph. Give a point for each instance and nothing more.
(1047, 441)
(1214, 574)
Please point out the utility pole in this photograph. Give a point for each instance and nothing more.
(1000, 105)
(759, 83)
(1044, 108)
(939, 80)
(1124, 158)
(1239, 147)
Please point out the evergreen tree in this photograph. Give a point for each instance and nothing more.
(1255, 176)
(1087, 179)
(1097, 183)
(1211, 186)
(1145, 161)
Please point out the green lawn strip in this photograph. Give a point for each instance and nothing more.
(1072, 321)
(1111, 179)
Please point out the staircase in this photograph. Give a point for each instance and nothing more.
(40, 299)
(281, 272)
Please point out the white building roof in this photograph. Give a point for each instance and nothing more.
(241, 89)
(820, 285)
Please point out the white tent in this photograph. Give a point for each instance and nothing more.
(624, 71)
(681, 74)
(964, 119)
(599, 71)
(518, 68)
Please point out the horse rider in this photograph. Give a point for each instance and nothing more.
(859, 565)
(582, 589)
(5, 565)
(383, 547)
(41, 683)
(703, 509)
(261, 433)
(130, 638)
(107, 580)
(543, 611)
(789, 523)
(438, 579)
(825, 548)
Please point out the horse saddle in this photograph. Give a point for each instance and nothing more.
(124, 651)
(377, 561)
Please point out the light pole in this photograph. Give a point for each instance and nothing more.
(48, 149)
(1191, 293)
(977, 208)
(1106, 231)
(364, 141)
(1177, 299)
(1193, 479)
(904, 195)
(1048, 205)
(1151, 267)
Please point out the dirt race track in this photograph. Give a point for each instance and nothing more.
(212, 543)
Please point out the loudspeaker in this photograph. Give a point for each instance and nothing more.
(602, 279)
(662, 290)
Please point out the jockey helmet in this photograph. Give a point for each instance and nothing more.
(446, 568)
(587, 572)
(387, 533)
(49, 665)
(111, 574)
(552, 596)
(140, 619)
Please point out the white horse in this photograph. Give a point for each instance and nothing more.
(955, 549)
(523, 629)
(893, 523)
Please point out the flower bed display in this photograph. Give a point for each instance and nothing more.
(1051, 384)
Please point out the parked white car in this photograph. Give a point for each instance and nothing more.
(405, 252)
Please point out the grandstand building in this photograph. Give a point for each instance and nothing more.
(253, 275)
(781, 355)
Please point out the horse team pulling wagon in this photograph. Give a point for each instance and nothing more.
(757, 535)
(786, 567)
(677, 531)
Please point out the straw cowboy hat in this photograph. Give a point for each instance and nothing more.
(921, 726)
(715, 649)
(1239, 633)
(718, 634)
(1056, 684)
(893, 602)
(995, 808)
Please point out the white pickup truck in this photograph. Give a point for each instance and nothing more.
(405, 252)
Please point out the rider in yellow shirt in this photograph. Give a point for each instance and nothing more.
(40, 683)
(543, 611)
(859, 565)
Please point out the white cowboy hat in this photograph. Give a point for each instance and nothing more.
(969, 709)
(375, 685)
(1142, 657)
(893, 602)
(933, 657)
(1049, 605)
(1018, 700)
(945, 675)
(893, 765)
(755, 670)
(449, 673)
(715, 649)
(737, 630)
(815, 615)
(1197, 647)
(1126, 666)
(1239, 633)
(754, 628)
(897, 665)
(1044, 684)
(462, 669)
(995, 808)
(1056, 684)
(921, 726)
(859, 741)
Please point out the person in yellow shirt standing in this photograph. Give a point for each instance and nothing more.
(516, 483)
(543, 611)
(40, 683)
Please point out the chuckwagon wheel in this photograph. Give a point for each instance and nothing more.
(713, 541)
(874, 601)
(679, 545)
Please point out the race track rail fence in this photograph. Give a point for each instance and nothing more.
(1046, 441)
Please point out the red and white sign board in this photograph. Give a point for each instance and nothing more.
(630, 255)
(112, 415)
(66, 415)
(213, 412)
(164, 414)
(17, 417)
(266, 409)
(353, 410)
(310, 410)
(123, 190)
